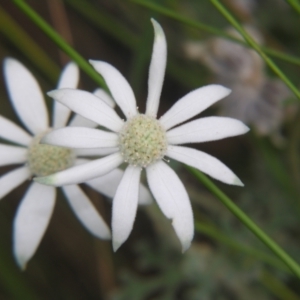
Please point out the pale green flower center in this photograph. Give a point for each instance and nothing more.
(142, 141)
(44, 159)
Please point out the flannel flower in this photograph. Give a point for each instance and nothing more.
(36, 207)
(143, 141)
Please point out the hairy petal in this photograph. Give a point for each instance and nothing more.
(89, 106)
(108, 184)
(105, 97)
(80, 121)
(95, 151)
(173, 200)
(68, 79)
(12, 179)
(26, 96)
(86, 212)
(83, 172)
(81, 137)
(125, 205)
(118, 86)
(205, 163)
(205, 130)
(32, 220)
(193, 104)
(12, 155)
(157, 70)
(13, 133)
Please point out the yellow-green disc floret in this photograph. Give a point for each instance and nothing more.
(44, 159)
(142, 141)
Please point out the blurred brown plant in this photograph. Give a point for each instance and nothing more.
(255, 99)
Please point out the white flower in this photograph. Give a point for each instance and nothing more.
(143, 141)
(36, 207)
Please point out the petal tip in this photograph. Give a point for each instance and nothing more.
(237, 182)
(116, 245)
(52, 93)
(98, 65)
(21, 262)
(246, 128)
(107, 236)
(104, 236)
(93, 62)
(47, 180)
(227, 91)
(221, 90)
(8, 61)
(185, 246)
(157, 28)
(11, 65)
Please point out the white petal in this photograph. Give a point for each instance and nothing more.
(26, 96)
(31, 221)
(89, 106)
(12, 179)
(173, 200)
(81, 137)
(125, 205)
(80, 161)
(96, 151)
(205, 163)
(83, 172)
(12, 155)
(145, 197)
(12, 132)
(108, 184)
(118, 86)
(86, 212)
(157, 70)
(68, 79)
(80, 121)
(206, 129)
(193, 104)
(104, 96)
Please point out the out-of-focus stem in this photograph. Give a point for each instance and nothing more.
(60, 42)
(291, 263)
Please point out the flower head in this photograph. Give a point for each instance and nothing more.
(256, 99)
(143, 141)
(37, 159)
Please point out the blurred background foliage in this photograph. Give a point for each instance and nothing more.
(225, 261)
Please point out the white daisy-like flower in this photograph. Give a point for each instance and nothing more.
(143, 141)
(36, 207)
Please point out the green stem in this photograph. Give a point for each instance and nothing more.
(102, 20)
(293, 153)
(198, 25)
(278, 170)
(276, 287)
(221, 8)
(21, 40)
(60, 42)
(219, 236)
(295, 5)
(291, 263)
